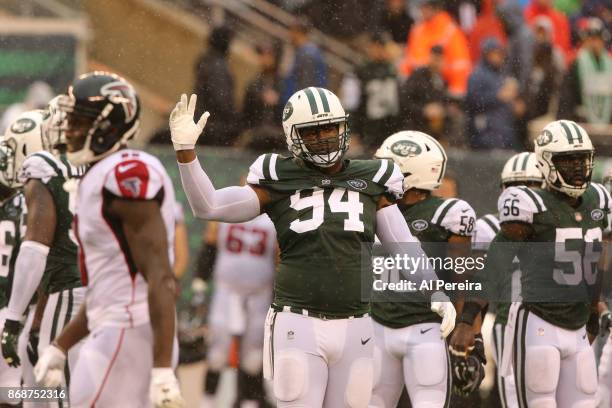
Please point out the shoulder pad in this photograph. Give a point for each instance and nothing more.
(134, 179)
(456, 216)
(263, 168)
(605, 200)
(41, 166)
(485, 230)
(390, 176)
(519, 204)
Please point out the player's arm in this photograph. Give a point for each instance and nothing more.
(145, 233)
(181, 250)
(30, 263)
(230, 204)
(391, 228)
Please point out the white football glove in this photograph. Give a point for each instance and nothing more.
(441, 304)
(183, 129)
(49, 370)
(165, 391)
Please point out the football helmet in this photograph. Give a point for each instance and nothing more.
(22, 138)
(54, 135)
(521, 168)
(308, 116)
(102, 113)
(420, 157)
(565, 156)
(5, 153)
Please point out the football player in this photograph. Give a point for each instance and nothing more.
(604, 391)
(12, 228)
(124, 224)
(556, 234)
(520, 170)
(244, 262)
(47, 255)
(408, 346)
(318, 344)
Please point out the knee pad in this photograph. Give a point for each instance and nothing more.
(360, 383)
(251, 362)
(542, 368)
(429, 364)
(290, 375)
(543, 403)
(586, 372)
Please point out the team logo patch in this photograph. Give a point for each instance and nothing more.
(405, 148)
(597, 214)
(121, 93)
(419, 225)
(287, 111)
(132, 179)
(23, 125)
(325, 182)
(544, 138)
(357, 184)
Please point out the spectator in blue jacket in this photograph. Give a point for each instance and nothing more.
(492, 102)
(308, 67)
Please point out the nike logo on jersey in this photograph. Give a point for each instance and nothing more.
(363, 342)
(466, 210)
(514, 195)
(423, 331)
(126, 167)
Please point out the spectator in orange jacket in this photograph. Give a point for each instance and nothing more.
(561, 27)
(438, 28)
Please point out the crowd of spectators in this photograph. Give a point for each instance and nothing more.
(472, 73)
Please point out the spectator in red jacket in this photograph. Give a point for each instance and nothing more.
(487, 25)
(561, 27)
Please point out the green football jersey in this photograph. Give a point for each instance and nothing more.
(12, 230)
(432, 220)
(61, 270)
(559, 261)
(321, 222)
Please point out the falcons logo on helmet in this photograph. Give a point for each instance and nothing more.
(121, 93)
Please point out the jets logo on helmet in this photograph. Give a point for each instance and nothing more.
(544, 138)
(565, 156)
(419, 156)
(521, 168)
(123, 94)
(405, 148)
(24, 137)
(287, 111)
(316, 126)
(23, 125)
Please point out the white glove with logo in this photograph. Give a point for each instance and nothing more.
(441, 304)
(165, 391)
(183, 129)
(49, 370)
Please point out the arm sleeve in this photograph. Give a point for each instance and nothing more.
(391, 228)
(29, 269)
(230, 204)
